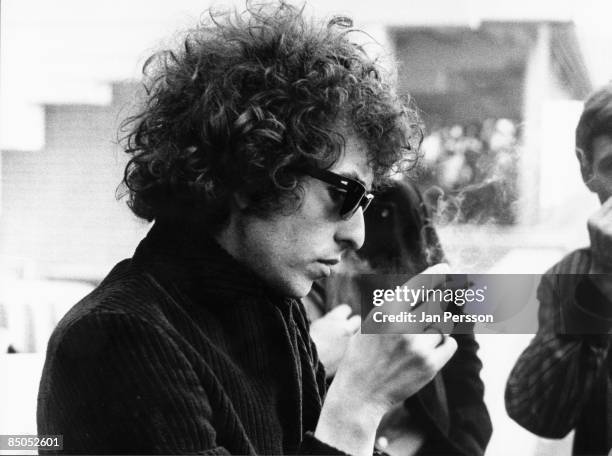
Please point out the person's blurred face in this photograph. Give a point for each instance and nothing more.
(291, 251)
(597, 173)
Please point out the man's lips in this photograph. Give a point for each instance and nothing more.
(326, 265)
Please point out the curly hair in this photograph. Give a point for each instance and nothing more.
(248, 99)
(595, 120)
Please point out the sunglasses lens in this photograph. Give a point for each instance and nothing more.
(352, 201)
(348, 208)
(355, 194)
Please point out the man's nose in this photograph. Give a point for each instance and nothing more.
(351, 233)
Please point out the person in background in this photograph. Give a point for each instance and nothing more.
(255, 153)
(562, 381)
(448, 416)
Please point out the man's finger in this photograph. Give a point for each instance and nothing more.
(428, 340)
(341, 311)
(444, 352)
(353, 323)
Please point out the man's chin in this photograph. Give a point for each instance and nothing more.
(298, 289)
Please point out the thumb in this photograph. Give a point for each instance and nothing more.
(342, 311)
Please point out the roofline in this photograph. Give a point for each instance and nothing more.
(566, 52)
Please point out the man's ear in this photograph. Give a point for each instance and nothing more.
(586, 168)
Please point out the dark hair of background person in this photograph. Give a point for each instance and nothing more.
(596, 119)
(245, 101)
(400, 236)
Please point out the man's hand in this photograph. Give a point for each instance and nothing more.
(392, 366)
(331, 334)
(600, 233)
(385, 369)
(377, 372)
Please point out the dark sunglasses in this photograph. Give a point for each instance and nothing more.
(356, 195)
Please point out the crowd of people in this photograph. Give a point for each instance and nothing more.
(469, 172)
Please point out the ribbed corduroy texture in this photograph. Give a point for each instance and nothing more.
(182, 350)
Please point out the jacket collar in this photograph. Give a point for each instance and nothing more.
(188, 256)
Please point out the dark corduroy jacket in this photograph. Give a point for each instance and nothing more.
(182, 350)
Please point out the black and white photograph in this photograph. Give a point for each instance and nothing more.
(311, 227)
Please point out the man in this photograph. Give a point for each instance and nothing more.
(254, 154)
(562, 381)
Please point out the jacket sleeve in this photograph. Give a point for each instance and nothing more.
(467, 428)
(556, 374)
(470, 422)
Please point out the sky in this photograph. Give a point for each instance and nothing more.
(68, 51)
